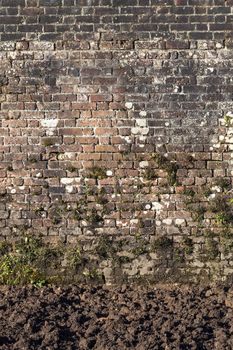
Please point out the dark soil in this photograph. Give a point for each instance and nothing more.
(116, 318)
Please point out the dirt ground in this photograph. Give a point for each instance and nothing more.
(116, 318)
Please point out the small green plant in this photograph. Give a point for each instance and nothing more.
(227, 118)
(221, 207)
(178, 255)
(33, 159)
(125, 154)
(77, 214)
(97, 173)
(100, 196)
(74, 257)
(71, 169)
(218, 204)
(40, 283)
(137, 234)
(92, 274)
(209, 234)
(105, 247)
(149, 174)
(57, 212)
(226, 240)
(188, 245)
(27, 248)
(94, 218)
(223, 183)
(169, 166)
(199, 214)
(224, 218)
(162, 243)
(49, 256)
(211, 249)
(141, 246)
(48, 142)
(189, 192)
(207, 192)
(5, 247)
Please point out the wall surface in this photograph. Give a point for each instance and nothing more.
(116, 132)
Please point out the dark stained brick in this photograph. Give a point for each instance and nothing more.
(50, 2)
(13, 3)
(201, 35)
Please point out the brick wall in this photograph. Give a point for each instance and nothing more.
(116, 131)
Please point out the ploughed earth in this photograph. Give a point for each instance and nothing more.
(116, 318)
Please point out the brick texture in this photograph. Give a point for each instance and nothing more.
(115, 120)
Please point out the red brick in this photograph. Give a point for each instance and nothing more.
(101, 98)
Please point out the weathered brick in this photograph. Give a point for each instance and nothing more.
(177, 44)
(187, 10)
(11, 19)
(125, 96)
(183, 27)
(201, 35)
(49, 19)
(50, 2)
(13, 3)
(221, 27)
(123, 3)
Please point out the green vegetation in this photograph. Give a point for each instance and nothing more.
(222, 209)
(223, 183)
(97, 173)
(74, 257)
(207, 192)
(92, 274)
(94, 218)
(209, 234)
(13, 272)
(100, 196)
(226, 240)
(72, 169)
(105, 248)
(211, 249)
(25, 262)
(31, 261)
(188, 245)
(169, 166)
(149, 174)
(162, 243)
(223, 218)
(227, 119)
(189, 192)
(178, 255)
(199, 213)
(33, 159)
(5, 247)
(48, 142)
(141, 247)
